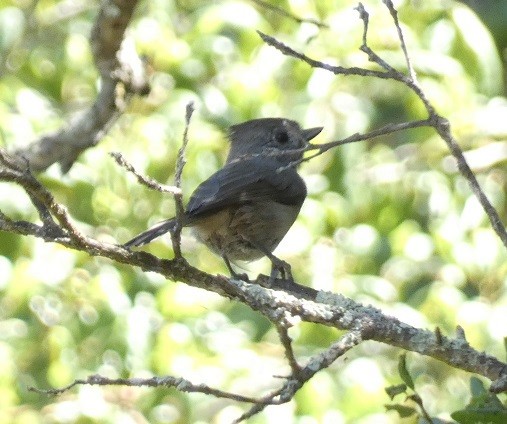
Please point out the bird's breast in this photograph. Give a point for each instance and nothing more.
(248, 231)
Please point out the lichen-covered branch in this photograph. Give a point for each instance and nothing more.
(310, 305)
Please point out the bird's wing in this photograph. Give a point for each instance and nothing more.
(247, 181)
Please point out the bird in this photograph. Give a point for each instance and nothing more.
(244, 210)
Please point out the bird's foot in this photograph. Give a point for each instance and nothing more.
(279, 268)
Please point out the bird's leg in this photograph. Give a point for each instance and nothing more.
(234, 274)
(279, 267)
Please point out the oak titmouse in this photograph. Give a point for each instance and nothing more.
(244, 210)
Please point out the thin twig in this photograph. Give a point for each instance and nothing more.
(418, 400)
(372, 56)
(270, 399)
(337, 70)
(394, 14)
(181, 384)
(336, 350)
(147, 181)
(391, 73)
(283, 12)
(443, 128)
(365, 17)
(21, 167)
(385, 130)
(319, 362)
(322, 148)
(254, 410)
(296, 381)
(22, 227)
(178, 198)
(16, 168)
(286, 341)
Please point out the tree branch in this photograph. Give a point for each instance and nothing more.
(117, 62)
(181, 384)
(439, 123)
(143, 179)
(178, 198)
(325, 308)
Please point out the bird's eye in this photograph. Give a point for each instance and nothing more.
(282, 137)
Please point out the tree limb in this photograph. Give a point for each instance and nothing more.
(326, 308)
(117, 62)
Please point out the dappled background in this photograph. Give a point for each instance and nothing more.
(388, 222)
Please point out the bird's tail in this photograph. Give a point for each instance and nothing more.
(154, 232)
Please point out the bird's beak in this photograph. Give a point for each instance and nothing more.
(311, 133)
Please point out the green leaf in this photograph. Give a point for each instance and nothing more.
(393, 391)
(404, 374)
(477, 387)
(403, 411)
(485, 408)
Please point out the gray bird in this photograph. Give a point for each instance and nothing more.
(244, 210)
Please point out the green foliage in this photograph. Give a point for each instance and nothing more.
(404, 374)
(484, 407)
(388, 222)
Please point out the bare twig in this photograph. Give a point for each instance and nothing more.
(15, 168)
(178, 198)
(382, 131)
(255, 409)
(443, 128)
(394, 14)
(372, 56)
(336, 350)
(286, 341)
(391, 72)
(385, 130)
(21, 227)
(319, 362)
(143, 179)
(181, 162)
(180, 384)
(337, 70)
(440, 124)
(283, 12)
(303, 374)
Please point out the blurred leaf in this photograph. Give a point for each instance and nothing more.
(402, 410)
(477, 45)
(403, 371)
(393, 391)
(477, 387)
(485, 408)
